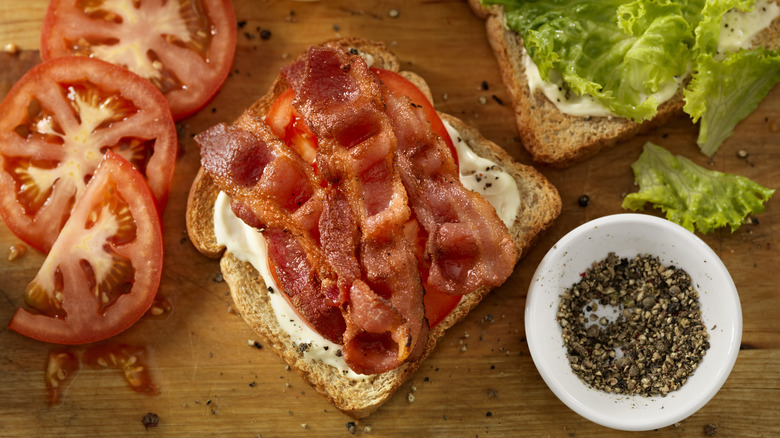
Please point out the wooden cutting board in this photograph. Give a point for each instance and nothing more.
(481, 380)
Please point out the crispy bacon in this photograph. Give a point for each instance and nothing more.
(468, 245)
(341, 102)
(340, 249)
(274, 190)
(340, 240)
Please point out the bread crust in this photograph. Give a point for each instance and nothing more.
(551, 137)
(540, 205)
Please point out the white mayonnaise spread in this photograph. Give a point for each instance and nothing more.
(738, 28)
(585, 105)
(737, 31)
(486, 178)
(249, 245)
(573, 105)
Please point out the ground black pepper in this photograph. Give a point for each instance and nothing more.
(150, 420)
(656, 338)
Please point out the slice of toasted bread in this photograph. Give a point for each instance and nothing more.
(540, 205)
(550, 136)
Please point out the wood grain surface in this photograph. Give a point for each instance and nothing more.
(481, 380)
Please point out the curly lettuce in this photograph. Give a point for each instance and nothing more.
(621, 52)
(722, 93)
(691, 195)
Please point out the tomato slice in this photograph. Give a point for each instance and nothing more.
(57, 121)
(286, 123)
(400, 86)
(103, 271)
(184, 47)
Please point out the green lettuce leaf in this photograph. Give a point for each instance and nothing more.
(722, 93)
(691, 195)
(622, 51)
(617, 51)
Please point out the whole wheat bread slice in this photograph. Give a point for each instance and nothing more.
(540, 205)
(550, 136)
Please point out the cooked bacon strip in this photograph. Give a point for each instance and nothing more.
(273, 189)
(300, 282)
(340, 239)
(341, 102)
(468, 245)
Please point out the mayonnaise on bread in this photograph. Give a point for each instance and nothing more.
(574, 104)
(247, 244)
(738, 29)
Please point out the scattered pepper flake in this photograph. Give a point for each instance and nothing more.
(710, 429)
(253, 343)
(150, 420)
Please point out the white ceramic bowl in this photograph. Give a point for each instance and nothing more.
(628, 235)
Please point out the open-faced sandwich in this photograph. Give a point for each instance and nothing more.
(586, 74)
(355, 224)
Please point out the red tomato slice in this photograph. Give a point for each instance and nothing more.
(103, 271)
(286, 123)
(400, 86)
(184, 47)
(57, 122)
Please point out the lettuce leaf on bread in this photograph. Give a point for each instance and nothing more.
(621, 52)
